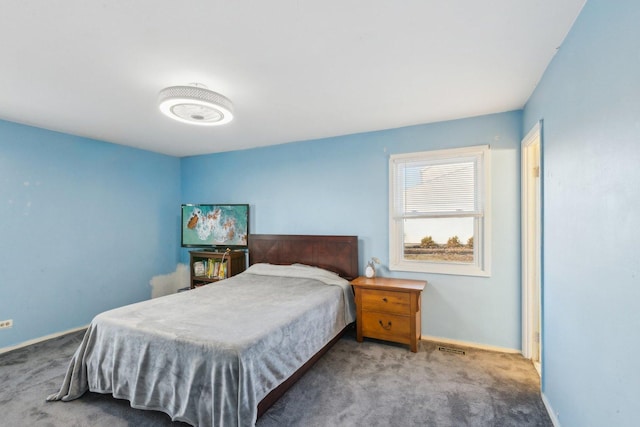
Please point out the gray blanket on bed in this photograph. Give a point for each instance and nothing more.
(208, 356)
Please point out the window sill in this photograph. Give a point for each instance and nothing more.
(440, 268)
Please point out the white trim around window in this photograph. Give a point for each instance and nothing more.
(441, 187)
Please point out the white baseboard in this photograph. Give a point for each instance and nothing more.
(41, 339)
(469, 344)
(550, 411)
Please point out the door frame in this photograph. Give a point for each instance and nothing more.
(531, 299)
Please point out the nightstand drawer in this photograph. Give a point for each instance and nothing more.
(386, 326)
(386, 301)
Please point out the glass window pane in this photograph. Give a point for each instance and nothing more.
(439, 240)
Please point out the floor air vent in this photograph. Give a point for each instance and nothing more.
(451, 350)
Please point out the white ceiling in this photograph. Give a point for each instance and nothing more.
(294, 69)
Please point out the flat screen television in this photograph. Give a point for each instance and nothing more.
(215, 226)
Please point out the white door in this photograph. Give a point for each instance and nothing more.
(531, 247)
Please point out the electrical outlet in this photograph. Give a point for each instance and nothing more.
(6, 324)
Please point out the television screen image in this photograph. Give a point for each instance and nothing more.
(210, 226)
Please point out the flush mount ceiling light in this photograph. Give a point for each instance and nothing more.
(195, 105)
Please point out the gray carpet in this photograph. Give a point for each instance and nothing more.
(368, 384)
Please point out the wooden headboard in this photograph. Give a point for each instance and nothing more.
(334, 253)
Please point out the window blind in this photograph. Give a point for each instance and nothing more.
(437, 188)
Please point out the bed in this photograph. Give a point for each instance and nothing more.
(221, 354)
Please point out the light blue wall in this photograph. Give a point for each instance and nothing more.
(340, 186)
(84, 225)
(589, 100)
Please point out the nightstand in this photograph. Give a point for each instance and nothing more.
(388, 309)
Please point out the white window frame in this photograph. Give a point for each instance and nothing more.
(482, 234)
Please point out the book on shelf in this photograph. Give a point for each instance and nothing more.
(222, 271)
(198, 268)
(210, 267)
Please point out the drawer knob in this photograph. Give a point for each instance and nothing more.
(384, 299)
(387, 327)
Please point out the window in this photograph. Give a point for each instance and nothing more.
(440, 218)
